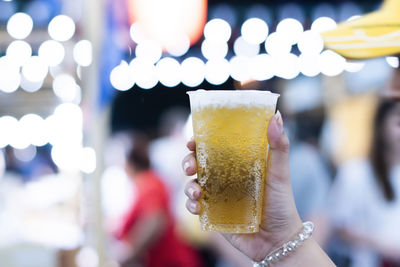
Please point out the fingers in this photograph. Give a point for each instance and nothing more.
(193, 191)
(189, 164)
(278, 156)
(193, 206)
(191, 145)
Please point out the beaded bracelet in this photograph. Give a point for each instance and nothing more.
(276, 255)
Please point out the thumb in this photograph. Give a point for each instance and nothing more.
(278, 155)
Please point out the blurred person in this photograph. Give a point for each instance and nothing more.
(280, 222)
(149, 227)
(365, 197)
(166, 154)
(310, 178)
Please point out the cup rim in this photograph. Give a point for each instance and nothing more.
(232, 91)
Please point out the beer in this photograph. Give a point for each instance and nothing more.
(230, 130)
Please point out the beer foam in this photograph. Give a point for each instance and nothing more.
(232, 98)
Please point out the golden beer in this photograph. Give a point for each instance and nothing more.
(230, 129)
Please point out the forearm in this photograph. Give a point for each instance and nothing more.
(309, 254)
(146, 232)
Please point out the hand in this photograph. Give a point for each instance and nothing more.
(280, 220)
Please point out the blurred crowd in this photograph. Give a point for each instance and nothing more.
(120, 201)
(350, 189)
(353, 198)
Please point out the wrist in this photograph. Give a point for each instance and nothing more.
(273, 236)
(310, 255)
(288, 247)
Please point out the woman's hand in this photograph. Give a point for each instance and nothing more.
(280, 220)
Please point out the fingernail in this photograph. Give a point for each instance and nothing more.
(279, 121)
(186, 166)
(191, 192)
(193, 206)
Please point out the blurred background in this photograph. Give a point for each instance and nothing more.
(78, 77)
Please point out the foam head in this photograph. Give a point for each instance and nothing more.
(232, 98)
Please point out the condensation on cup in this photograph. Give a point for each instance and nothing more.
(230, 130)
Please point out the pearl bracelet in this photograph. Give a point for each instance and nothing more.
(276, 255)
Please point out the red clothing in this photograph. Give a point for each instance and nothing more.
(153, 197)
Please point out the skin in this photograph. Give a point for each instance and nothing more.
(280, 221)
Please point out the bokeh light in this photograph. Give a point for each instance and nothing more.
(178, 46)
(243, 48)
(66, 157)
(10, 76)
(65, 87)
(354, 66)
(393, 62)
(52, 52)
(149, 51)
(121, 77)
(19, 51)
(193, 71)
(19, 138)
(29, 86)
(25, 155)
(88, 160)
(310, 42)
(164, 21)
(323, 24)
(217, 71)
(332, 64)
(212, 49)
(65, 125)
(254, 30)
(217, 30)
(137, 34)
(240, 68)
(61, 28)
(278, 44)
(82, 53)
(9, 126)
(144, 73)
(56, 70)
(35, 69)
(261, 67)
(168, 72)
(286, 66)
(20, 25)
(309, 64)
(291, 28)
(35, 129)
